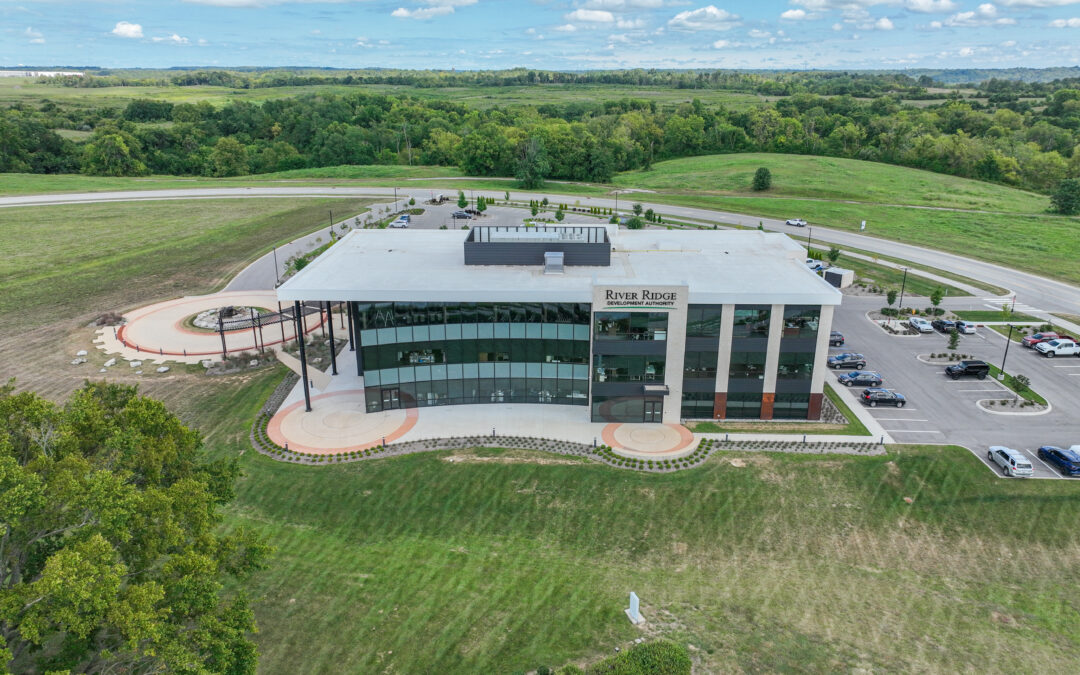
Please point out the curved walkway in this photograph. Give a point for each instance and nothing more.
(157, 331)
(338, 423)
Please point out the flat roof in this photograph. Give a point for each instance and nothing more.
(718, 266)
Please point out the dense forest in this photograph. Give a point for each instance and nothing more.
(1018, 133)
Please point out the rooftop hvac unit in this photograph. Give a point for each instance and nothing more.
(553, 262)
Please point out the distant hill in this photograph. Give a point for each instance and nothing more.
(976, 75)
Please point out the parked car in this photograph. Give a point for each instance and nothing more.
(816, 265)
(406, 217)
(1067, 460)
(965, 327)
(1058, 347)
(1012, 462)
(1032, 340)
(399, 223)
(460, 214)
(979, 369)
(836, 339)
(920, 324)
(866, 378)
(797, 222)
(875, 396)
(847, 360)
(943, 325)
(473, 212)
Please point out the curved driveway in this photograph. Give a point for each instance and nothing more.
(1030, 289)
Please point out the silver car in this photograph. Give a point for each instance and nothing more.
(1012, 462)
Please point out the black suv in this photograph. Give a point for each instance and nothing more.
(836, 339)
(943, 325)
(875, 396)
(460, 214)
(979, 369)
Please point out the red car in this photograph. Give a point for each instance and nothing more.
(1031, 340)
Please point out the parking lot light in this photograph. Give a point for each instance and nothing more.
(1001, 375)
(903, 285)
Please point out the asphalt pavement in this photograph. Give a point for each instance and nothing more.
(941, 410)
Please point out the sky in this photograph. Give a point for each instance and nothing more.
(542, 34)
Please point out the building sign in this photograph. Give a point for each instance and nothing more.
(639, 297)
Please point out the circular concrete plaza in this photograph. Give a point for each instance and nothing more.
(338, 423)
(649, 441)
(160, 329)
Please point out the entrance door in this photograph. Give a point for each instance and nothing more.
(654, 411)
(390, 399)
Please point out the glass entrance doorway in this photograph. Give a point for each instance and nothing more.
(654, 411)
(391, 399)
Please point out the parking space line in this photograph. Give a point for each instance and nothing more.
(1001, 389)
(914, 431)
(1078, 366)
(898, 419)
(1054, 473)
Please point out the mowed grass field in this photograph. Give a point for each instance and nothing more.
(503, 561)
(27, 91)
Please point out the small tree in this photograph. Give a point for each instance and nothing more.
(954, 339)
(506, 195)
(613, 220)
(412, 201)
(544, 201)
(635, 223)
(890, 297)
(462, 202)
(936, 295)
(535, 210)
(650, 215)
(637, 209)
(559, 215)
(481, 204)
(833, 255)
(762, 180)
(1066, 198)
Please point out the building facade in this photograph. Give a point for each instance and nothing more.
(646, 326)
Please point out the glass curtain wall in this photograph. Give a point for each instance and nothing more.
(629, 351)
(746, 374)
(425, 354)
(796, 363)
(699, 361)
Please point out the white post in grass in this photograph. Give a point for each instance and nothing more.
(633, 613)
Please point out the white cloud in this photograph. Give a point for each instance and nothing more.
(759, 34)
(852, 8)
(705, 18)
(1042, 4)
(838, 26)
(127, 30)
(1065, 23)
(34, 37)
(363, 43)
(884, 24)
(625, 5)
(630, 24)
(985, 14)
(566, 28)
(174, 39)
(1008, 44)
(723, 44)
(530, 31)
(591, 16)
(966, 51)
(434, 8)
(795, 15)
(936, 24)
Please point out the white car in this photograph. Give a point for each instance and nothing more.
(1012, 462)
(399, 223)
(965, 327)
(920, 324)
(797, 222)
(1059, 347)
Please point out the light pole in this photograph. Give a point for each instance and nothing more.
(1001, 375)
(809, 233)
(903, 285)
(277, 277)
(395, 199)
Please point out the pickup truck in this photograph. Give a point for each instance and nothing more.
(1031, 340)
(1059, 347)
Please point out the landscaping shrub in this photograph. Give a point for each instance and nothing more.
(648, 658)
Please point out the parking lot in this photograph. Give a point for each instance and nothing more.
(436, 216)
(941, 410)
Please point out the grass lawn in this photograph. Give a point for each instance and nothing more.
(889, 277)
(994, 315)
(810, 177)
(853, 428)
(1027, 394)
(762, 562)
(71, 260)
(1074, 318)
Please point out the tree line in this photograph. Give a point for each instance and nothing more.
(1034, 148)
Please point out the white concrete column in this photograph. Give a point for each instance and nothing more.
(675, 357)
(723, 352)
(821, 350)
(772, 355)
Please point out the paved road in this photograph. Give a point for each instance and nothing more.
(1030, 289)
(943, 410)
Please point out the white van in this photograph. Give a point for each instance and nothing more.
(1012, 462)
(920, 324)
